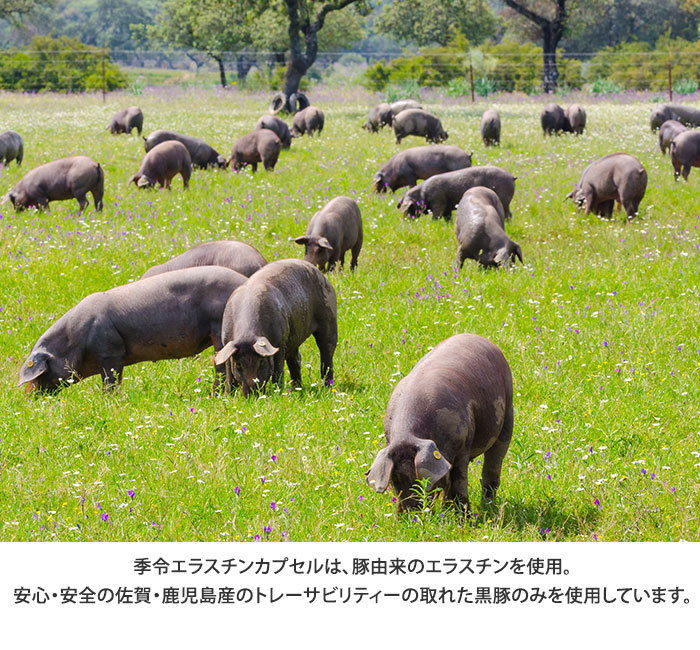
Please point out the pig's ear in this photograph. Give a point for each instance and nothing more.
(221, 161)
(302, 240)
(518, 252)
(33, 367)
(570, 195)
(379, 474)
(430, 463)
(324, 243)
(264, 348)
(223, 355)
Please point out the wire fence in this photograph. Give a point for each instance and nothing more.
(479, 71)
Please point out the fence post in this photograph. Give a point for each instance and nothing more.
(104, 83)
(670, 86)
(471, 77)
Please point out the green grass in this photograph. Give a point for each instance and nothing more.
(599, 327)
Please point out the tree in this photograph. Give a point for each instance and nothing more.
(305, 20)
(212, 26)
(14, 10)
(552, 29)
(431, 22)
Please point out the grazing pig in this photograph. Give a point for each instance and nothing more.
(278, 127)
(162, 163)
(310, 121)
(269, 317)
(407, 166)
(615, 177)
(553, 120)
(334, 229)
(403, 105)
(685, 153)
(575, 118)
(440, 194)
(234, 255)
(11, 147)
(60, 180)
(379, 117)
(456, 404)
(170, 316)
(684, 114)
(479, 228)
(201, 154)
(491, 127)
(668, 131)
(415, 121)
(261, 145)
(126, 120)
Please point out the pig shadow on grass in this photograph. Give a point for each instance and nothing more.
(543, 514)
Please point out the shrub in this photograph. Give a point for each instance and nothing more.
(409, 89)
(685, 87)
(458, 88)
(605, 87)
(483, 86)
(62, 64)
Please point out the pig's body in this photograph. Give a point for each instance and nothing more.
(332, 231)
(415, 121)
(668, 131)
(169, 316)
(267, 319)
(456, 404)
(259, 146)
(311, 120)
(60, 180)
(162, 163)
(378, 117)
(684, 114)
(278, 127)
(440, 194)
(201, 154)
(576, 119)
(491, 127)
(480, 230)
(616, 177)
(553, 120)
(685, 153)
(409, 165)
(234, 255)
(11, 147)
(126, 120)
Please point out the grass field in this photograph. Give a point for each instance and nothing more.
(600, 327)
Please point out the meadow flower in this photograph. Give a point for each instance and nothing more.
(237, 490)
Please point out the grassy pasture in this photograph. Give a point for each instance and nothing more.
(599, 327)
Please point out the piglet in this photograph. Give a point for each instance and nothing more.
(479, 228)
(268, 318)
(169, 316)
(456, 404)
(261, 145)
(162, 163)
(332, 231)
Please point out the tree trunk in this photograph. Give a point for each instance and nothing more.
(292, 77)
(243, 65)
(549, 59)
(222, 69)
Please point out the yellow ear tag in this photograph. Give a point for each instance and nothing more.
(437, 454)
(30, 363)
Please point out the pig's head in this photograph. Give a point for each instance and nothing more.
(379, 183)
(20, 199)
(220, 162)
(403, 463)
(411, 204)
(508, 254)
(45, 372)
(318, 250)
(577, 196)
(251, 362)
